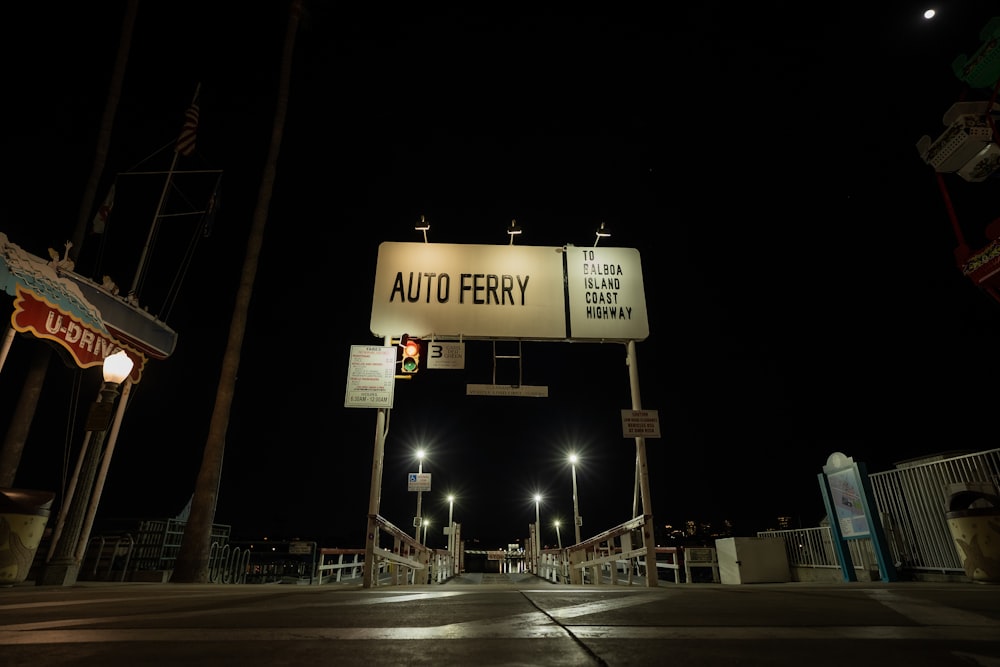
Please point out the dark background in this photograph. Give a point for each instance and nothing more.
(802, 294)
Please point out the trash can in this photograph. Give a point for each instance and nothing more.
(974, 521)
(23, 515)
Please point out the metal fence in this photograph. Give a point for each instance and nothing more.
(150, 550)
(158, 541)
(912, 501)
(812, 548)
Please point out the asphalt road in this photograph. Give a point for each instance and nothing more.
(517, 620)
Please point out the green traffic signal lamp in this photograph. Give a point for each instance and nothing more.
(411, 354)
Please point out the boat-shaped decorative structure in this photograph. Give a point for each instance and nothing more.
(84, 320)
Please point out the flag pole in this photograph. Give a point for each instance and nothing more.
(132, 296)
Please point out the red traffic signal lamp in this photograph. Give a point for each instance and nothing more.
(411, 354)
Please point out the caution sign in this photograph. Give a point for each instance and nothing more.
(300, 548)
(640, 424)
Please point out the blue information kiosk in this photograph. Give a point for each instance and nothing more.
(846, 493)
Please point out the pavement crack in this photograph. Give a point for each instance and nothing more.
(569, 632)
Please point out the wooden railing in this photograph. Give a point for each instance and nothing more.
(607, 556)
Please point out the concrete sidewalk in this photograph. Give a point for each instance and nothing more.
(478, 620)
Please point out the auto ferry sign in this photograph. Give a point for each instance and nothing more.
(441, 290)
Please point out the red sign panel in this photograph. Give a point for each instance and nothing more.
(88, 347)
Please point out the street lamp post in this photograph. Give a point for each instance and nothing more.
(63, 565)
(576, 500)
(562, 560)
(538, 533)
(451, 531)
(420, 471)
(430, 558)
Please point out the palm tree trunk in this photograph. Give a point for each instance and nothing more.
(24, 413)
(20, 425)
(191, 565)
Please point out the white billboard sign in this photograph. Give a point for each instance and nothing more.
(607, 300)
(451, 290)
(445, 290)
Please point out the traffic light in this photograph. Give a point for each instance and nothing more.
(411, 354)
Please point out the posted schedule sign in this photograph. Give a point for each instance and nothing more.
(371, 377)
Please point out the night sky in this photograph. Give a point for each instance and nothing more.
(797, 255)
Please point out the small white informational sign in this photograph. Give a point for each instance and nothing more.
(607, 300)
(300, 548)
(446, 355)
(371, 377)
(418, 481)
(530, 391)
(640, 424)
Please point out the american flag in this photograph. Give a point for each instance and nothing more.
(104, 212)
(185, 142)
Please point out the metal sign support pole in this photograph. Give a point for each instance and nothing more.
(369, 570)
(642, 472)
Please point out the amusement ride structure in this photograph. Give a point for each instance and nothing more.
(969, 148)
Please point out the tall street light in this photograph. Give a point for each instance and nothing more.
(577, 521)
(451, 528)
(430, 565)
(562, 560)
(538, 533)
(420, 471)
(63, 565)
